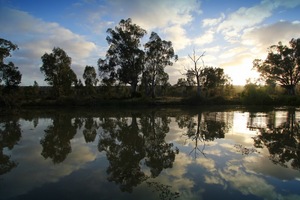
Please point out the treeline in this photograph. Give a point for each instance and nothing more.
(136, 71)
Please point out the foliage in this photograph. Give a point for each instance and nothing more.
(11, 76)
(124, 59)
(90, 76)
(57, 70)
(5, 49)
(9, 73)
(213, 78)
(255, 95)
(282, 65)
(158, 55)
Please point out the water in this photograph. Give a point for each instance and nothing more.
(197, 153)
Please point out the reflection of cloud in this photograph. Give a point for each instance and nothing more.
(262, 165)
(247, 183)
(208, 164)
(175, 176)
(42, 170)
(214, 180)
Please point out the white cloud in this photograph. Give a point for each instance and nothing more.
(178, 36)
(265, 36)
(157, 13)
(243, 18)
(207, 38)
(211, 22)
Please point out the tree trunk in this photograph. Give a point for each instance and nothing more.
(153, 89)
(133, 89)
(198, 87)
(290, 89)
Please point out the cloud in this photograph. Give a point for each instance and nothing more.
(264, 36)
(243, 18)
(178, 36)
(211, 22)
(157, 13)
(36, 37)
(207, 38)
(232, 25)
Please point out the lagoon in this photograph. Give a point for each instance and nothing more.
(144, 153)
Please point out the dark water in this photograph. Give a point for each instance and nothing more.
(151, 154)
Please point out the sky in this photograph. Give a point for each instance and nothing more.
(230, 33)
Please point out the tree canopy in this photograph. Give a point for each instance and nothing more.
(57, 70)
(5, 48)
(9, 73)
(282, 65)
(124, 58)
(159, 54)
(90, 76)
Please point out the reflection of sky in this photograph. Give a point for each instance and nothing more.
(210, 175)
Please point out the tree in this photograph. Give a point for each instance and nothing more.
(124, 59)
(158, 55)
(11, 76)
(90, 76)
(195, 71)
(9, 73)
(5, 49)
(213, 78)
(57, 70)
(281, 65)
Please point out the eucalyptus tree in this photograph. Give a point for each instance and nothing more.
(158, 54)
(282, 65)
(57, 70)
(90, 76)
(213, 78)
(9, 73)
(124, 58)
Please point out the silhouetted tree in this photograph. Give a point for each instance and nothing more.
(194, 72)
(213, 78)
(9, 73)
(57, 70)
(90, 76)
(281, 65)
(159, 54)
(124, 59)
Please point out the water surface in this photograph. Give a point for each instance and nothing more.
(199, 153)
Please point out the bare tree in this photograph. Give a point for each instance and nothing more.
(194, 72)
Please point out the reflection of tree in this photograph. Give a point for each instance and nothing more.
(90, 129)
(56, 143)
(127, 143)
(283, 141)
(206, 127)
(160, 154)
(163, 190)
(10, 134)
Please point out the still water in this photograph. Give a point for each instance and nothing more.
(199, 153)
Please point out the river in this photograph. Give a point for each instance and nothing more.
(160, 153)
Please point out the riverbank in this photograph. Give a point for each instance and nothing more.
(146, 102)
